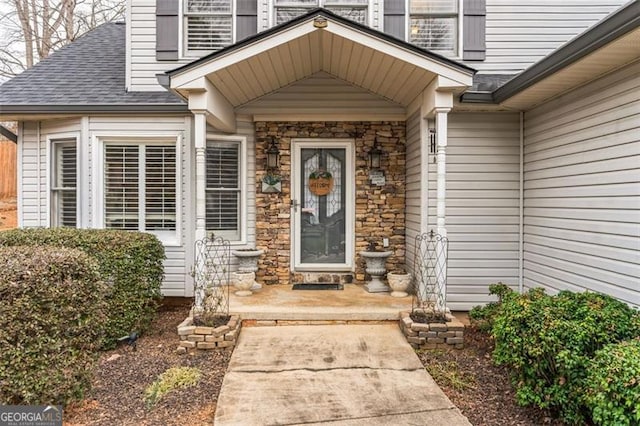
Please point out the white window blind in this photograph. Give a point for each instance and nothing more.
(434, 25)
(223, 190)
(356, 10)
(208, 25)
(63, 188)
(140, 187)
(160, 188)
(121, 185)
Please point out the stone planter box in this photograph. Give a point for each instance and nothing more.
(207, 338)
(432, 335)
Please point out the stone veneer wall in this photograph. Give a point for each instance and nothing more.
(379, 210)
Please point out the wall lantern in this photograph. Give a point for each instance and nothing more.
(273, 155)
(374, 157)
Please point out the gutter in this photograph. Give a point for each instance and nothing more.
(477, 98)
(8, 134)
(82, 109)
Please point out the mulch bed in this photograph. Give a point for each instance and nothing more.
(118, 387)
(481, 390)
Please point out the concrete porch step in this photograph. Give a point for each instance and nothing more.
(281, 303)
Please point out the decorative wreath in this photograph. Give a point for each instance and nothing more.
(320, 174)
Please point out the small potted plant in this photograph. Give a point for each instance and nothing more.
(399, 281)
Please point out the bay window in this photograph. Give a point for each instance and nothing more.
(140, 187)
(434, 25)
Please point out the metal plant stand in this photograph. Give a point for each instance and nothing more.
(430, 274)
(211, 274)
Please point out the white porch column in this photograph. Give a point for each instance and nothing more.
(441, 159)
(200, 138)
(441, 200)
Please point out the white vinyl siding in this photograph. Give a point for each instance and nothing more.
(482, 205)
(520, 33)
(434, 25)
(582, 189)
(414, 201)
(208, 25)
(223, 190)
(64, 197)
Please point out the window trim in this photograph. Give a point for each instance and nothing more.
(183, 50)
(137, 139)
(242, 182)
(460, 29)
(62, 138)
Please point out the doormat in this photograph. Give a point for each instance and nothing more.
(318, 286)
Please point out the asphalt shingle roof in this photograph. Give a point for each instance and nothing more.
(87, 72)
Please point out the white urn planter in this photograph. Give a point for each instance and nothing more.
(376, 268)
(248, 262)
(243, 282)
(399, 283)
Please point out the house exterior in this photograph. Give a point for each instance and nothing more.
(511, 127)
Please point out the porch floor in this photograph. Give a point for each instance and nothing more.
(354, 303)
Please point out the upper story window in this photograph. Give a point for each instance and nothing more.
(434, 25)
(356, 10)
(208, 25)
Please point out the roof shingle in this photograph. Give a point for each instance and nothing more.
(87, 72)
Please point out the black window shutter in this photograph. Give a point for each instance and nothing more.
(394, 18)
(246, 18)
(167, 24)
(474, 29)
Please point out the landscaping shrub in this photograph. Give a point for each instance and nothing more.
(548, 342)
(484, 316)
(613, 384)
(130, 262)
(52, 312)
(172, 379)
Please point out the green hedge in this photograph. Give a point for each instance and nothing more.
(613, 385)
(52, 313)
(548, 343)
(130, 262)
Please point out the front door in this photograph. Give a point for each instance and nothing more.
(323, 205)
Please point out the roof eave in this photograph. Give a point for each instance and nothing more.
(91, 108)
(621, 22)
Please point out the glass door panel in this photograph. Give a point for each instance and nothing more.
(322, 205)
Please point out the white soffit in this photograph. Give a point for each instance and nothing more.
(614, 55)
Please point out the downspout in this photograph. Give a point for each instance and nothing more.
(521, 204)
(39, 175)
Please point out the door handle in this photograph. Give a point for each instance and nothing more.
(294, 205)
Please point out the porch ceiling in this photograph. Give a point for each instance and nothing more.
(322, 42)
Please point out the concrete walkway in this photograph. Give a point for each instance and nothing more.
(336, 374)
